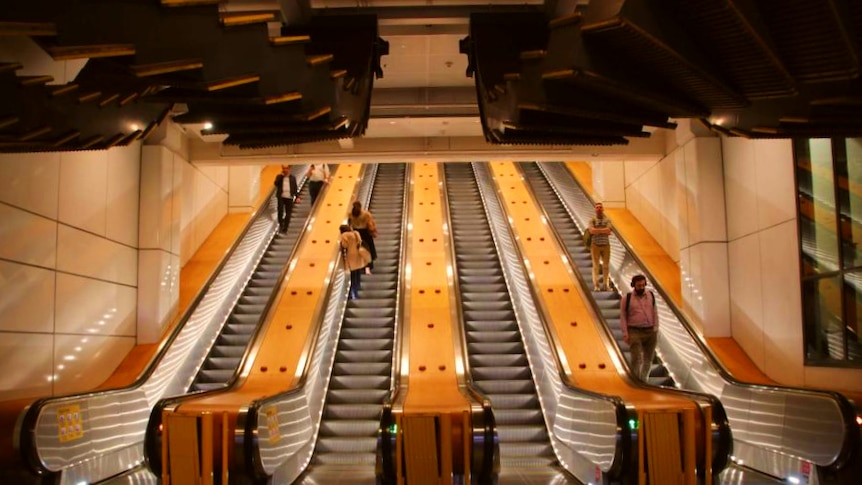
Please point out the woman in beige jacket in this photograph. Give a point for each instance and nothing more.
(351, 242)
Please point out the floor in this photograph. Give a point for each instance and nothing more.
(340, 476)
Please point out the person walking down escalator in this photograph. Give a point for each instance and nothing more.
(639, 323)
(356, 257)
(286, 193)
(363, 222)
(318, 175)
(600, 247)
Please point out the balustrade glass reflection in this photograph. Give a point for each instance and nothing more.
(848, 168)
(852, 313)
(816, 192)
(829, 191)
(822, 317)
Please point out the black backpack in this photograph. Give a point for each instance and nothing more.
(629, 299)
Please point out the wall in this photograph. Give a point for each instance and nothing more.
(74, 274)
(766, 305)
(68, 268)
(761, 293)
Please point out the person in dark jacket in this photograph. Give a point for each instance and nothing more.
(286, 193)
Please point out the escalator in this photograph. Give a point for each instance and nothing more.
(363, 361)
(226, 354)
(608, 302)
(498, 360)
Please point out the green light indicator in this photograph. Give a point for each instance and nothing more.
(633, 424)
(393, 429)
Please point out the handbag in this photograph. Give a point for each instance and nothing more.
(588, 238)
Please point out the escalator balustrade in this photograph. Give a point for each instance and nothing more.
(363, 361)
(608, 302)
(497, 357)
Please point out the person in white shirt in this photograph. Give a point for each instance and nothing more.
(318, 174)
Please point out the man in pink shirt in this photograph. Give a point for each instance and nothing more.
(639, 323)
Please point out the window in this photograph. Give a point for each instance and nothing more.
(829, 199)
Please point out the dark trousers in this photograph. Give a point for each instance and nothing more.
(314, 187)
(355, 281)
(368, 242)
(285, 210)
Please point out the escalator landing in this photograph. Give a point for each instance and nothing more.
(337, 475)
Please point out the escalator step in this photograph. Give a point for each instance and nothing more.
(496, 348)
(489, 337)
(356, 396)
(491, 360)
(491, 373)
(510, 434)
(364, 428)
(367, 333)
(518, 416)
(352, 411)
(523, 386)
(223, 362)
(228, 351)
(491, 326)
(358, 369)
(364, 460)
(364, 344)
(513, 401)
(360, 382)
(215, 375)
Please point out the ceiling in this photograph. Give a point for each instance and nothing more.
(425, 97)
(404, 79)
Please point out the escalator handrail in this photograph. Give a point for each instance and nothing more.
(152, 442)
(394, 400)
(26, 428)
(852, 440)
(480, 404)
(623, 450)
(720, 424)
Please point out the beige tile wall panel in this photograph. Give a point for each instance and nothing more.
(156, 198)
(27, 238)
(93, 359)
(27, 365)
(26, 298)
(84, 190)
(30, 181)
(124, 169)
(84, 254)
(88, 306)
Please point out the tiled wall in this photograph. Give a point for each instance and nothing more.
(766, 306)
(68, 268)
(69, 259)
(761, 257)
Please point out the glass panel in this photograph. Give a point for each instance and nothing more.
(821, 303)
(853, 314)
(849, 170)
(816, 206)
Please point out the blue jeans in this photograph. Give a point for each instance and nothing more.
(355, 281)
